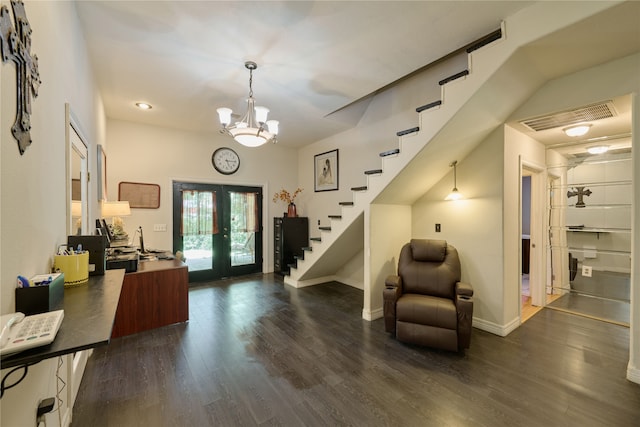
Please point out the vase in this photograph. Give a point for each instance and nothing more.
(291, 211)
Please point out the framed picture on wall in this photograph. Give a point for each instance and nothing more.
(102, 174)
(326, 171)
(139, 195)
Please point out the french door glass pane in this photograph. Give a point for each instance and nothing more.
(243, 228)
(198, 251)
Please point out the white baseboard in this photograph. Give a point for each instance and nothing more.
(633, 374)
(288, 280)
(371, 315)
(494, 328)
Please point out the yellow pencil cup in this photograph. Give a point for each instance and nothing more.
(75, 268)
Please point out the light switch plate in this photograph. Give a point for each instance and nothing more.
(586, 271)
(159, 227)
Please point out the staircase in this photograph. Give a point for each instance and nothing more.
(458, 115)
(318, 262)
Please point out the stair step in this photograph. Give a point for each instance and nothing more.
(307, 248)
(496, 35)
(373, 172)
(363, 188)
(316, 239)
(454, 77)
(324, 228)
(408, 131)
(299, 257)
(390, 152)
(292, 266)
(335, 216)
(429, 105)
(345, 203)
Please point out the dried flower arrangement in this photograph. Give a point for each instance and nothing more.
(285, 196)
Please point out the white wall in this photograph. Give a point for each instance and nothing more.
(153, 155)
(472, 225)
(33, 208)
(388, 228)
(519, 150)
(633, 368)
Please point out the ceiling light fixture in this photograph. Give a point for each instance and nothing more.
(598, 149)
(455, 194)
(577, 130)
(143, 106)
(250, 131)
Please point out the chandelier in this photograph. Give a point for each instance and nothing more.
(250, 130)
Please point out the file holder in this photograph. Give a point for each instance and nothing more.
(41, 298)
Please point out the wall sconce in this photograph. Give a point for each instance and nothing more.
(455, 194)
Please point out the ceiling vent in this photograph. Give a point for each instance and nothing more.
(590, 113)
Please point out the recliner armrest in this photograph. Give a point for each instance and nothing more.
(390, 294)
(464, 289)
(392, 288)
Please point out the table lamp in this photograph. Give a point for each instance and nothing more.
(115, 210)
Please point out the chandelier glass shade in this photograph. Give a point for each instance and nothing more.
(253, 129)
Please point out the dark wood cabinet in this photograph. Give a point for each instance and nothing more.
(290, 235)
(155, 295)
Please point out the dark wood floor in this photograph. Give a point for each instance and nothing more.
(256, 352)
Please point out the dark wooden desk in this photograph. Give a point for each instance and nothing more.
(155, 295)
(89, 312)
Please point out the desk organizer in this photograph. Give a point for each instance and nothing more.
(43, 298)
(75, 268)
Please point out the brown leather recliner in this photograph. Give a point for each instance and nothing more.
(426, 303)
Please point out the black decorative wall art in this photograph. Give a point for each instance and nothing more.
(15, 46)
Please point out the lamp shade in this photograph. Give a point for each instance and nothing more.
(225, 115)
(76, 208)
(261, 114)
(115, 208)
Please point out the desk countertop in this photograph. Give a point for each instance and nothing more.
(89, 313)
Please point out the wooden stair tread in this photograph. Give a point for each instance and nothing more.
(408, 131)
(390, 152)
(453, 77)
(428, 106)
(373, 172)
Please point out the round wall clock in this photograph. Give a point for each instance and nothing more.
(225, 160)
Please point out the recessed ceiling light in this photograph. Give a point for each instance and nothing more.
(598, 149)
(143, 105)
(577, 130)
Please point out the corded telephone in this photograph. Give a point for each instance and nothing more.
(20, 332)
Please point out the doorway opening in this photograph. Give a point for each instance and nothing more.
(590, 225)
(218, 228)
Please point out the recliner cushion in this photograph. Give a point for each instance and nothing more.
(428, 250)
(427, 310)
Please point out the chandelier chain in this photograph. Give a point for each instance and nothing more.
(250, 83)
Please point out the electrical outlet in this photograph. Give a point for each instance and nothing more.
(586, 271)
(437, 228)
(159, 227)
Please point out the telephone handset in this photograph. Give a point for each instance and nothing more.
(20, 332)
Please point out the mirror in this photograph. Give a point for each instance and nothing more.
(77, 177)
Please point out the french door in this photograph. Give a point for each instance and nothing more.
(218, 228)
